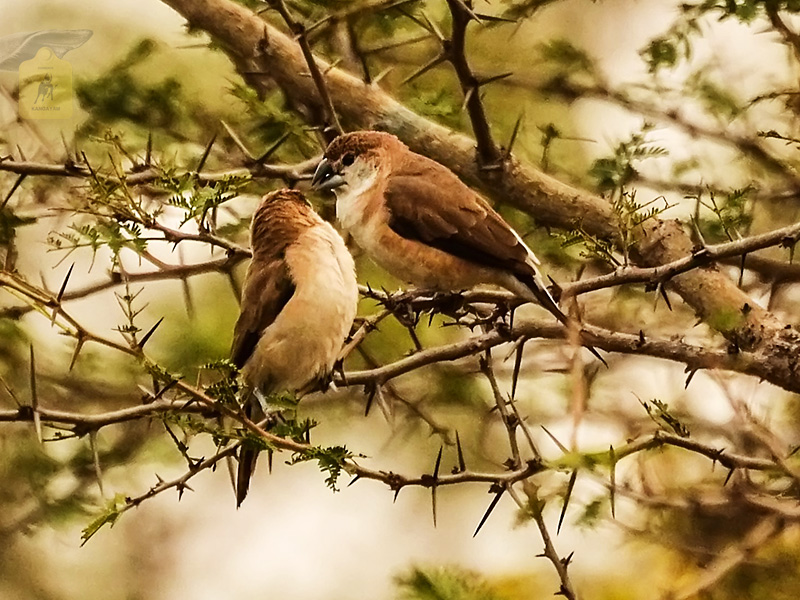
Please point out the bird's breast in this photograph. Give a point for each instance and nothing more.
(303, 342)
(358, 202)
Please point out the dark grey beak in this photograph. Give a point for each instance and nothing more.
(325, 178)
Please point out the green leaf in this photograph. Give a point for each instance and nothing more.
(330, 460)
(108, 517)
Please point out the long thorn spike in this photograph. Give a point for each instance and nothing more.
(206, 153)
(432, 27)
(613, 494)
(148, 157)
(561, 446)
(150, 333)
(13, 189)
(462, 465)
(489, 510)
(64, 284)
(463, 6)
(76, 352)
(514, 133)
(37, 422)
(517, 368)
(96, 460)
(435, 481)
(237, 140)
(567, 496)
(424, 69)
(467, 98)
(274, 147)
(492, 78)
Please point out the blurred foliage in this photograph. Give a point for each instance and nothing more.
(444, 584)
(119, 95)
(773, 573)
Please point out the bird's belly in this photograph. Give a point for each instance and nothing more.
(300, 346)
(303, 342)
(419, 264)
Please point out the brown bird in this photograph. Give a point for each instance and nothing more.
(298, 304)
(420, 222)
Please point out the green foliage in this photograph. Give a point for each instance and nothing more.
(127, 302)
(675, 45)
(225, 387)
(717, 99)
(591, 246)
(615, 172)
(110, 215)
(659, 412)
(730, 217)
(440, 105)
(444, 584)
(199, 201)
(630, 214)
(567, 56)
(264, 121)
(10, 221)
(330, 460)
(593, 513)
(104, 233)
(743, 10)
(119, 95)
(108, 517)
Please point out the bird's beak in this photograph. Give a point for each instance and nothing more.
(325, 178)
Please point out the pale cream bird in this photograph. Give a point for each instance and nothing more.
(298, 303)
(420, 222)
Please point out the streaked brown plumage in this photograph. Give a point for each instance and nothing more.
(298, 304)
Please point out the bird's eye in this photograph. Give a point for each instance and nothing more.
(348, 159)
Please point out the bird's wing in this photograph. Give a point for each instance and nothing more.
(267, 288)
(430, 204)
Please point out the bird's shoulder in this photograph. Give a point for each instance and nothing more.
(424, 177)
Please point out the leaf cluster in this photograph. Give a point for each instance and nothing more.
(660, 414)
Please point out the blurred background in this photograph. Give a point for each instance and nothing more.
(651, 98)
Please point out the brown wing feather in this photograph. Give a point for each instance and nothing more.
(267, 288)
(429, 203)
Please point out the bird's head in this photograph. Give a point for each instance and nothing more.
(354, 157)
(280, 218)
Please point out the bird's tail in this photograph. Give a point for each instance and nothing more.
(535, 283)
(247, 454)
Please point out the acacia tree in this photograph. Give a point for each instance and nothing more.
(709, 246)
